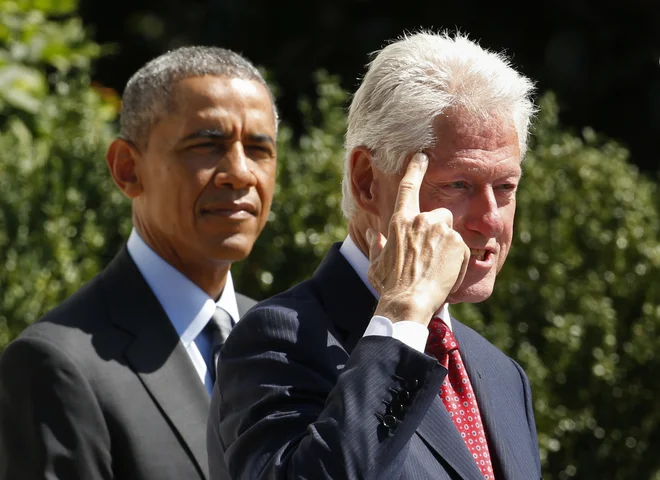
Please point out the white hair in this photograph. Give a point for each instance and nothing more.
(418, 77)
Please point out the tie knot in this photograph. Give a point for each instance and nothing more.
(441, 339)
(219, 325)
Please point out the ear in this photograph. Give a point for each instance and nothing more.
(362, 179)
(123, 158)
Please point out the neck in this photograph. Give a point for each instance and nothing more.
(208, 275)
(357, 226)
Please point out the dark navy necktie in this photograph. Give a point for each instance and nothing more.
(218, 330)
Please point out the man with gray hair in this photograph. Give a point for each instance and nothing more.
(115, 383)
(361, 371)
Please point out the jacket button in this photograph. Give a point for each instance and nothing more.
(412, 383)
(389, 421)
(396, 409)
(403, 395)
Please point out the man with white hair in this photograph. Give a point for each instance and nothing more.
(360, 371)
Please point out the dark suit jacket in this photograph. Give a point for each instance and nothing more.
(102, 388)
(301, 394)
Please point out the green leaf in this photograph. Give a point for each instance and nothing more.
(22, 87)
(49, 7)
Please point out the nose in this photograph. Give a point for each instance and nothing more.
(233, 170)
(484, 214)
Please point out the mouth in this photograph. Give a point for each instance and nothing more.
(480, 254)
(233, 210)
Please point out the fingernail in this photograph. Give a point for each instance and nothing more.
(421, 157)
(369, 234)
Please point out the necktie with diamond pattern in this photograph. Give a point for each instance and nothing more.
(458, 396)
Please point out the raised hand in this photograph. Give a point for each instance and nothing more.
(422, 260)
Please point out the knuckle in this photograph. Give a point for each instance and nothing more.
(413, 170)
(399, 218)
(421, 221)
(406, 186)
(457, 239)
(446, 215)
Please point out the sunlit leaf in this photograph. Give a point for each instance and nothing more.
(22, 87)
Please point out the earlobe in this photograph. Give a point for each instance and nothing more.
(362, 179)
(123, 159)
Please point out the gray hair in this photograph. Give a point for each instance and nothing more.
(148, 98)
(418, 77)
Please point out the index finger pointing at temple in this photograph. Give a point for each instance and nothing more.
(407, 199)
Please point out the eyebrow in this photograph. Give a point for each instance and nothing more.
(261, 138)
(215, 134)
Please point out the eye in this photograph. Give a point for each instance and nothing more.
(206, 147)
(459, 184)
(258, 151)
(507, 187)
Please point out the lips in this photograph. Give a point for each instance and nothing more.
(229, 209)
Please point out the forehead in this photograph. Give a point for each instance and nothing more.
(465, 140)
(218, 97)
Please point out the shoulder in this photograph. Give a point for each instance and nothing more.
(244, 303)
(279, 320)
(475, 346)
(81, 312)
(297, 301)
(468, 338)
(490, 362)
(77, 329)
(35, 353)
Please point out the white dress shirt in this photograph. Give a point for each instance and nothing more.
(187, 306)
(411, 333)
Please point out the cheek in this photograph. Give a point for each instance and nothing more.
(508, 217)
(186, 187)
(266, 183)
(506, 237)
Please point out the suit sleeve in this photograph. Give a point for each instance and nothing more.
(51, 425)
(293, 405)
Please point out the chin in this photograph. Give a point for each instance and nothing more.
(232, 249)
(471, 294)
(230, 256)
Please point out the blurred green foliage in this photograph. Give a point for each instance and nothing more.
(61, 218)
(577, 303)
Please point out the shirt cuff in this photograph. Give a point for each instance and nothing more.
(412, 334)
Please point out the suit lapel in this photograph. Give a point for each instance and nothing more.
(505, 426)
(347, 300)
(158, 357)
(440, 434)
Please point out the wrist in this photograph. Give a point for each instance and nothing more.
(399, 308)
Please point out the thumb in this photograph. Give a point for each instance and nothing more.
(376, 242)
(463, 271)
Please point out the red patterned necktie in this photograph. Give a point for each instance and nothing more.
(458, 396)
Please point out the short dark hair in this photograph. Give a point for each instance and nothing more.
(147, 97)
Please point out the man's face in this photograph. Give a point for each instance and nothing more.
(474, 171)
(208, 173)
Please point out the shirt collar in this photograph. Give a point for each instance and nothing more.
(187, 306)
(360, 264)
